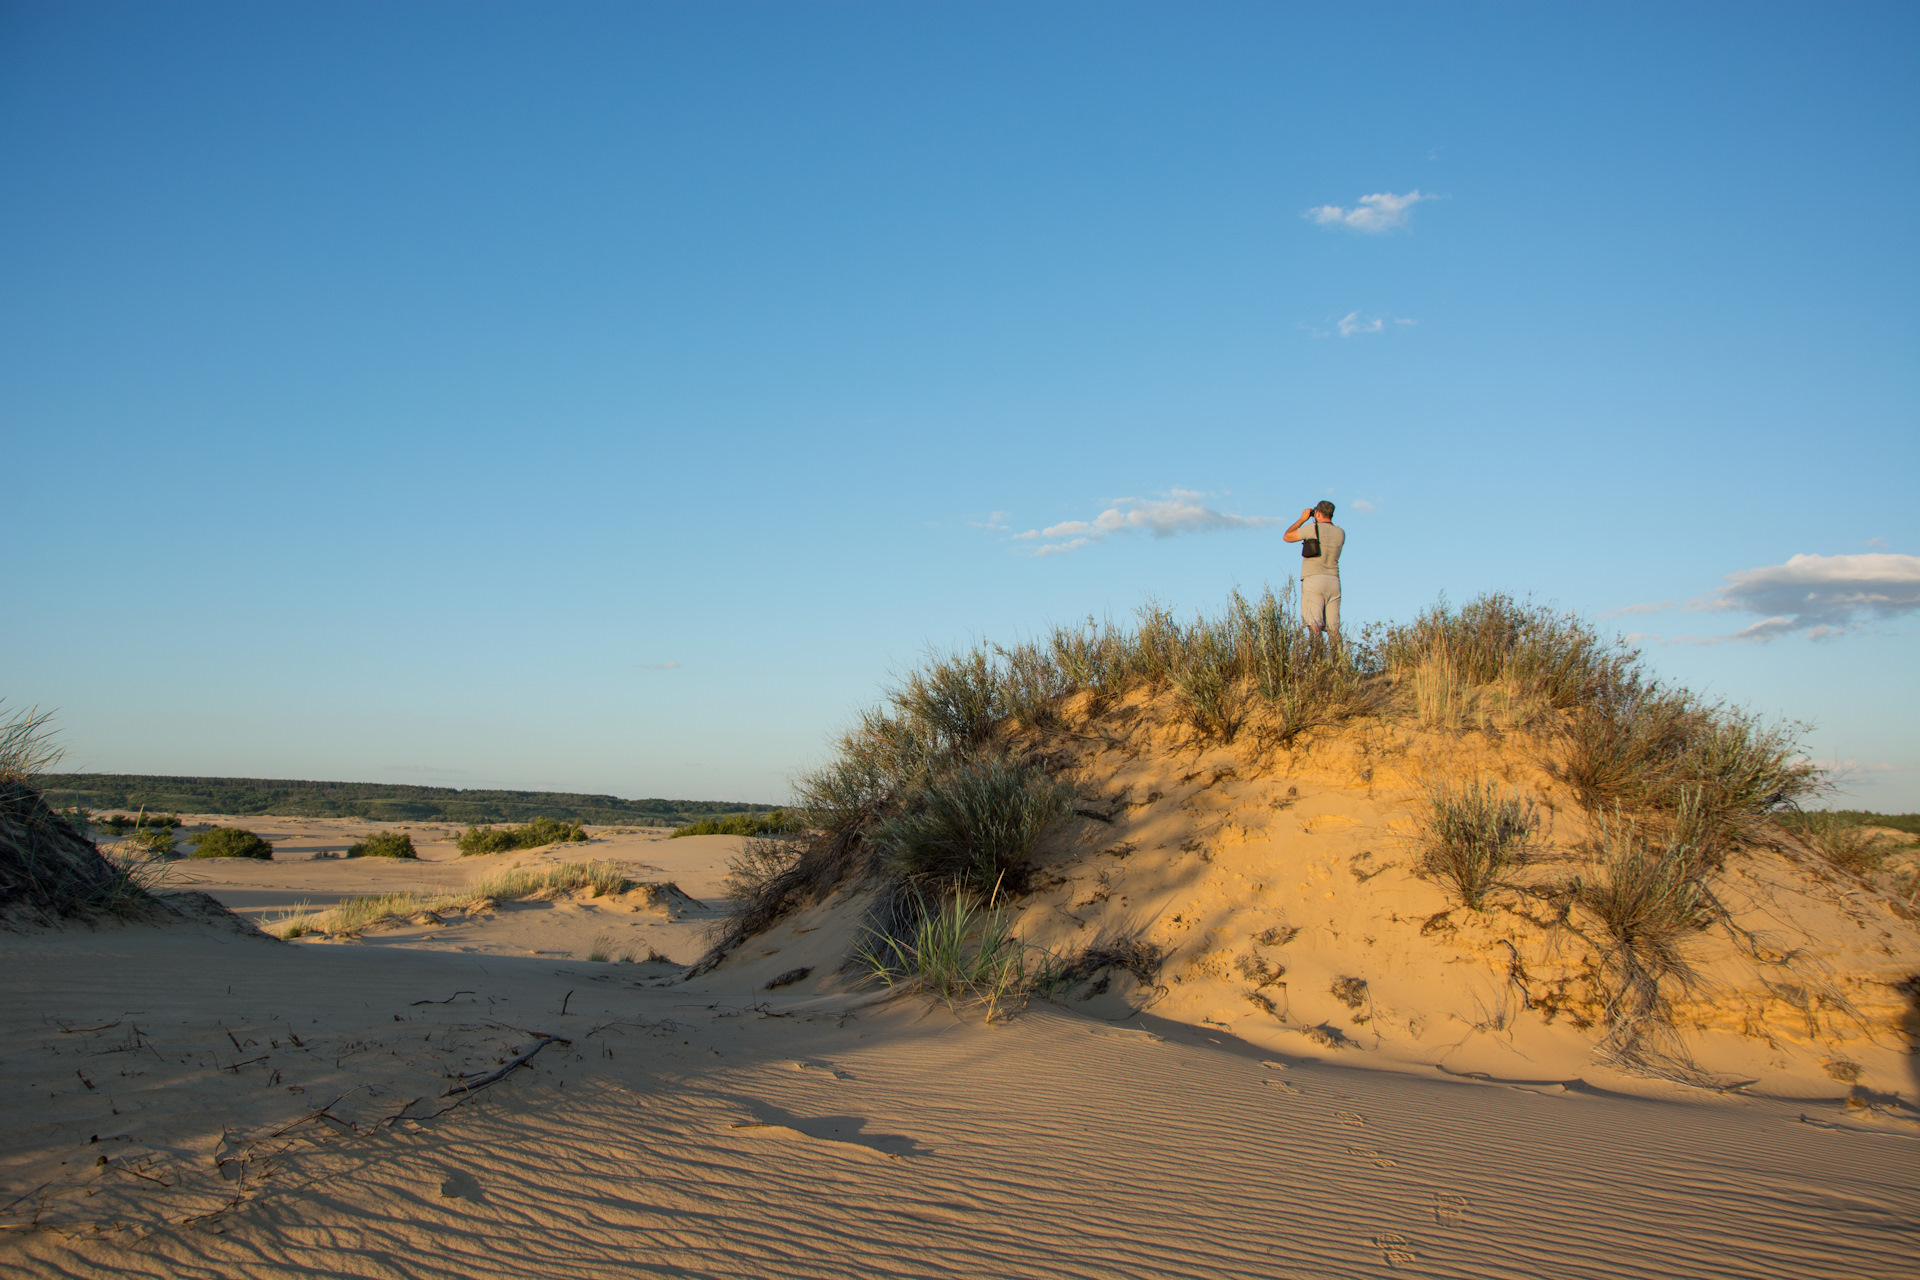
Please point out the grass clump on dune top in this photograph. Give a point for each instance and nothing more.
(531, 835)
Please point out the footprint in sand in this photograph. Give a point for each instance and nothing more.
(1283, 1086)
(1352, 1119)
(1448, 1210)
(828, 1067)
(1368, 1153)
(843, 1133)
(1393, 1249)
(461, 1185)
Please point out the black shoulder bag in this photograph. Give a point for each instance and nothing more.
(1310, 547)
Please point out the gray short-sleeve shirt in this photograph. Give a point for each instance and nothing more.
(1332, 539)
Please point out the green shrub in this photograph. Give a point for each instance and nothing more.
(228, 842)
(384, 844)
(975, 824)
(540, 831)
(777, 823)
(155, 841)
(119, 823)
(957, 951)
(1475, 836)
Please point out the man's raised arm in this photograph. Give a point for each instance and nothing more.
(1293, 533)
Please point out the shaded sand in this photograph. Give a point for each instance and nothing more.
(188, 1101)
(273, 1109)
(295, 881)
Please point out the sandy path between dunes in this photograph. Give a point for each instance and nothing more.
(712, 1132)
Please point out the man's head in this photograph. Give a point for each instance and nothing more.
(1325, 509)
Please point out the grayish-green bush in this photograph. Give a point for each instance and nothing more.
(384, 844)
(228, 842)
(975, 824)
(1476, 836)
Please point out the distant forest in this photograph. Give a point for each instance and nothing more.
(286, 797)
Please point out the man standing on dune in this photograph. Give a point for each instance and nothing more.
(1320, 574)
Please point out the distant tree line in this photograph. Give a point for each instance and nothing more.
(284, 797)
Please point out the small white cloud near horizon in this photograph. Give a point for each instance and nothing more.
(1381, 211)
(1821, 596)
(1181, 511)
(1361, 504)
(1353, 324)
(656, 666)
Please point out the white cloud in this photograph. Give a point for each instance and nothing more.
(1382, 211)
(1181, 511)
(1822, 596)
(1361, 504)
(1351, 323)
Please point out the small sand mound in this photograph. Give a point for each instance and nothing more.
(48, 871)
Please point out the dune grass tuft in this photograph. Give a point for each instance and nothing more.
(1475, 837)
(957, 951)
(1651, 897)
(1846, 841)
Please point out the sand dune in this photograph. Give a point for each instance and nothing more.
(688, 1132)
(193, 1102)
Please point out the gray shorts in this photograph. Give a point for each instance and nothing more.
(1320, 601)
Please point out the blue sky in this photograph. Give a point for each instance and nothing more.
(610, 397)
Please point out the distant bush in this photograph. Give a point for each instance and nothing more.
(777, 823)
(228, 842)
(119, 823)
(530, 836)
(384, 844)
(156, 841)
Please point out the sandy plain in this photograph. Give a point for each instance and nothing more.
(189, 1101)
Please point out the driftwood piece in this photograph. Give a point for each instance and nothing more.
(521, 1061)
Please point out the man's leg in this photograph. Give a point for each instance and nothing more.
(1333, 609)
(1313, 603)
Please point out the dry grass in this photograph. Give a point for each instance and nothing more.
(1847, 842)
(1651, 898)
(27, 748)
(356, 915)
